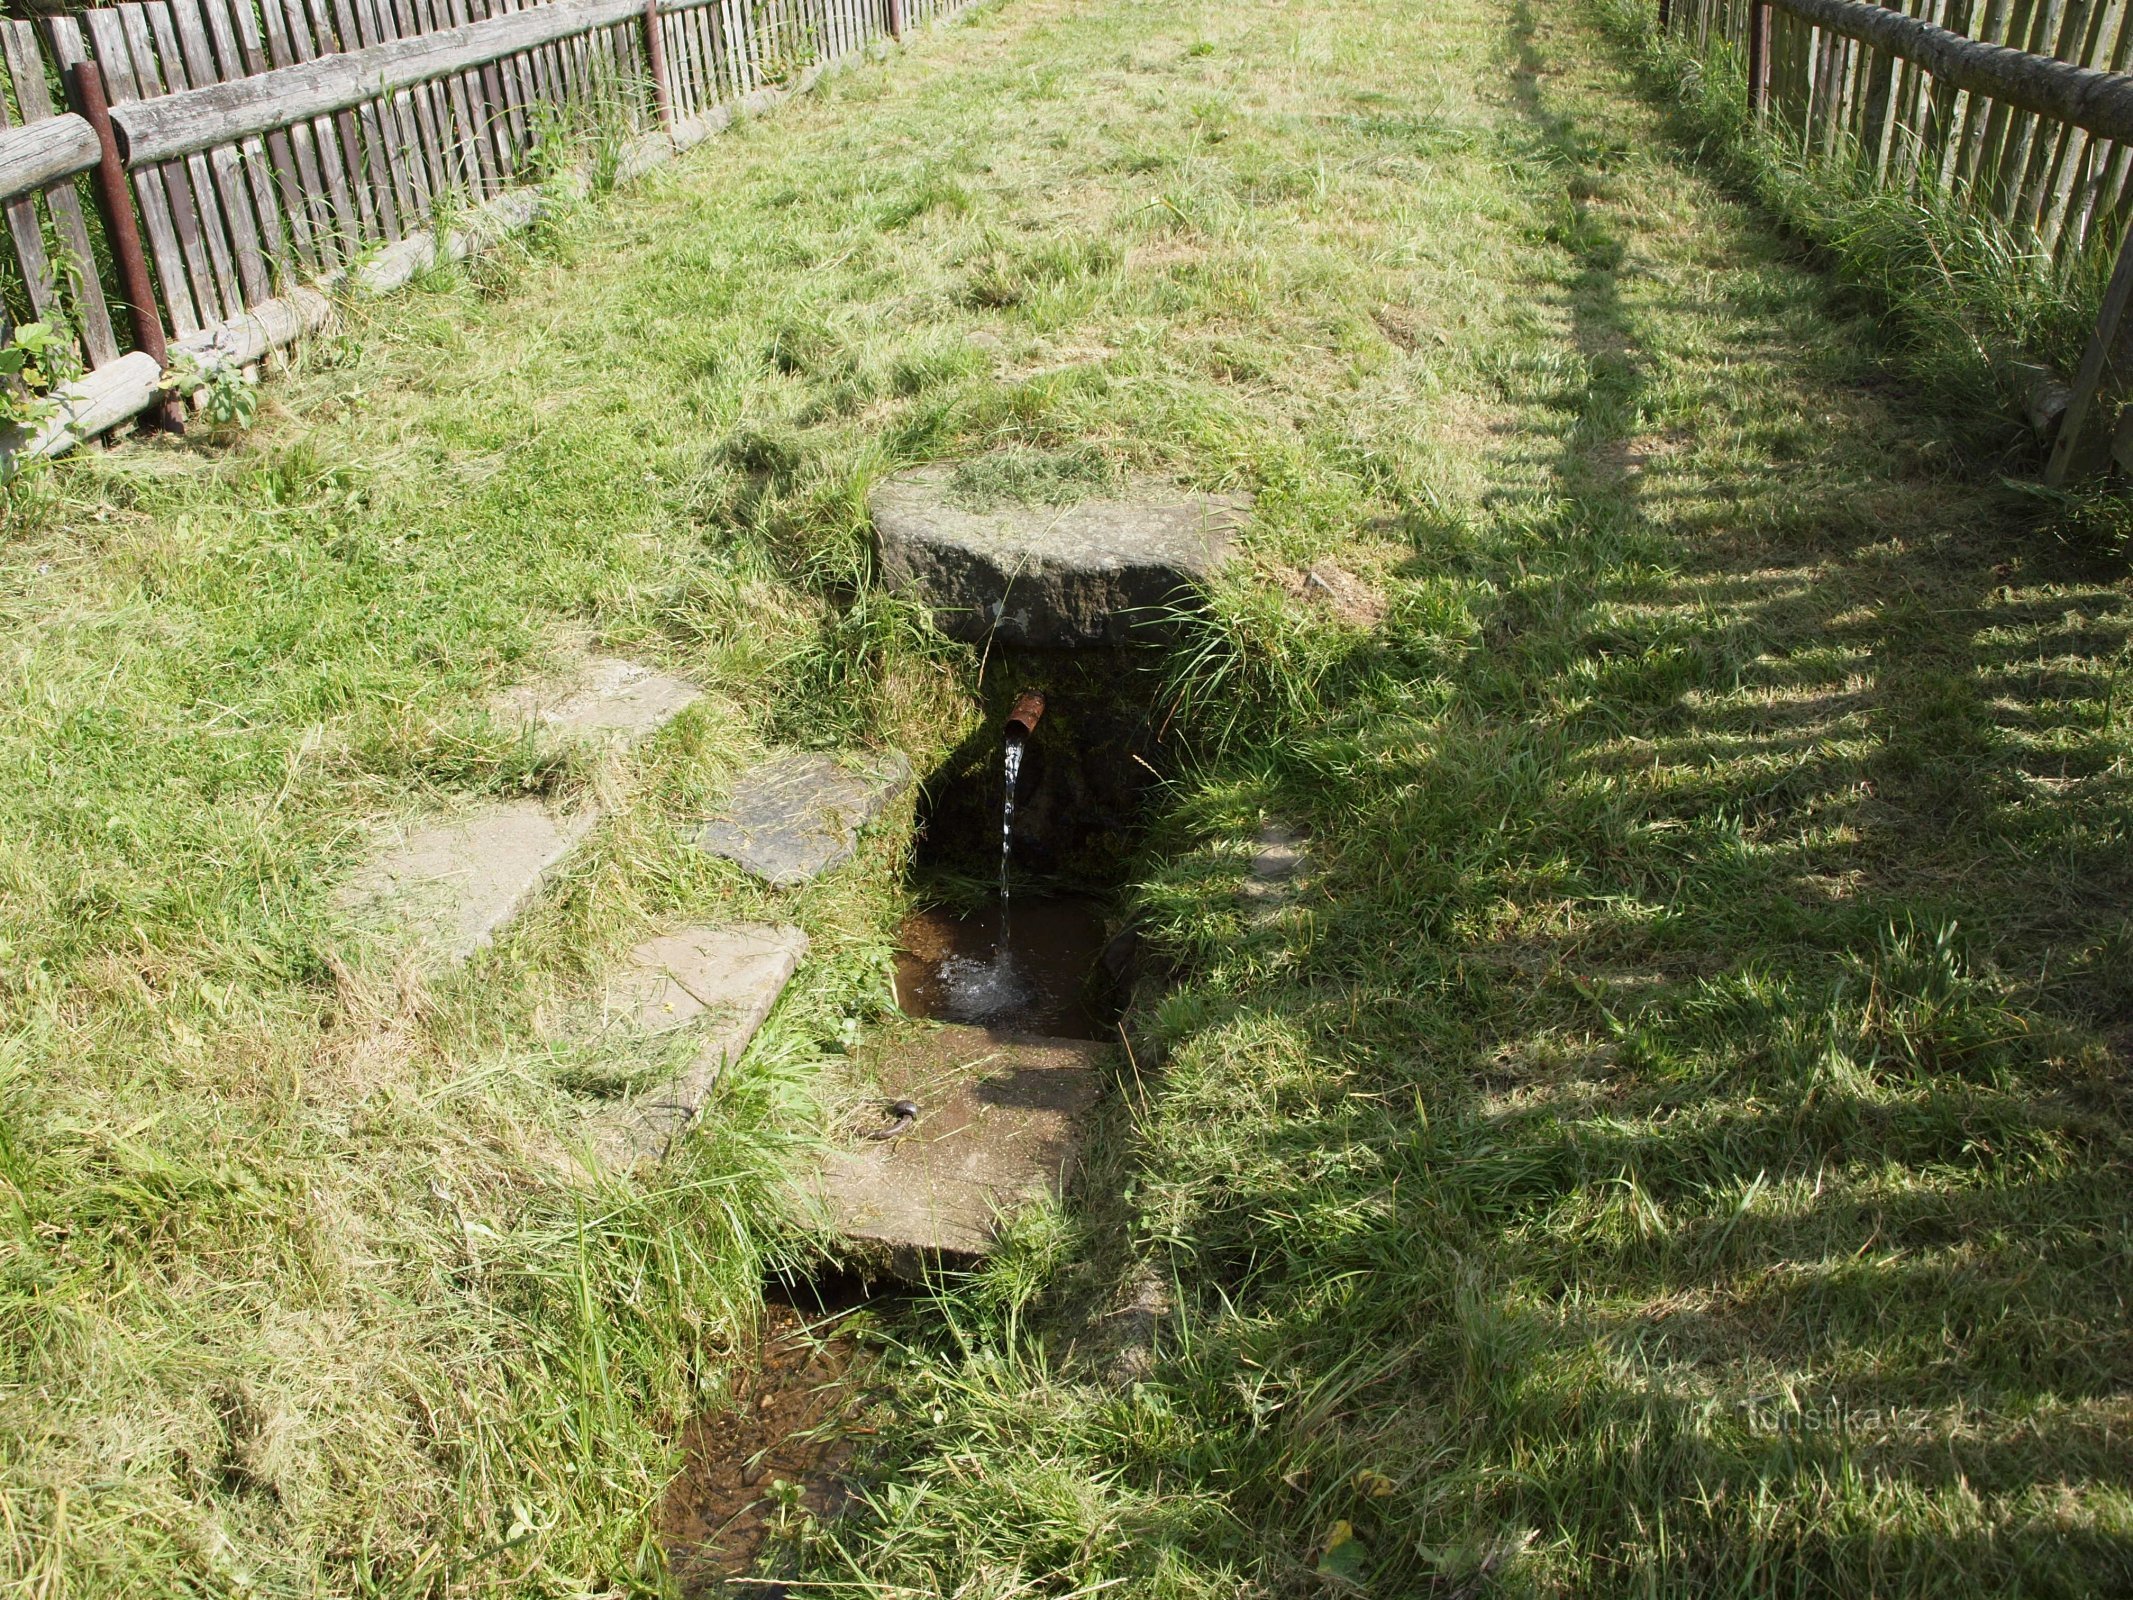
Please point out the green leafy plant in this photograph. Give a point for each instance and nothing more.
(32, 361)
(225, 395)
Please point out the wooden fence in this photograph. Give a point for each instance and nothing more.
(221, 165)
(1920, 109)
(2018, 110)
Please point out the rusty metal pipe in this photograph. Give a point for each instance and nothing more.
(1028, 711)
(85, 92)
(1758, 58)
(655, 61)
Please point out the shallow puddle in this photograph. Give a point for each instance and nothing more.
(1029, 972)
(779, 1449)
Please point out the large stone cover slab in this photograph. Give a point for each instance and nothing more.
(1000, 1126)
(1098, 572)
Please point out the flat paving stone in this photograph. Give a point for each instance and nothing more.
(794, 817)
(1097, 572)
(1000, 1126)
(603, 696)
(450, 886)
(725, 977)
(1277, 859)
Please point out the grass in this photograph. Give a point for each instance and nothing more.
(1967, 304)
(1030, 477)
(1676, 1144)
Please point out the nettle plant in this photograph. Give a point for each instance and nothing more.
(225, 394)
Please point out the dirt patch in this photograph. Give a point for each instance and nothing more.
(1403, 326)
(1338, 591)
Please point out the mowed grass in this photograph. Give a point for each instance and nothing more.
(1677, 1143)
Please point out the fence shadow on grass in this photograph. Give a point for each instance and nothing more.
(1677, 1138)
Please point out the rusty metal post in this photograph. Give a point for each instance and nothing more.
(1666, 14)
(85, 94)
(1758, 58)
(655, 55)
(896, 19)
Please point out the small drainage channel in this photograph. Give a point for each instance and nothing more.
(1028, 828)
(779, 1450)
(1009, 935)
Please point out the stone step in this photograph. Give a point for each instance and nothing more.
(724, 979)
(999, 1126)
(602, 696)
(447, 887)
(1276, 868)
(1100, 571)
(796, 815)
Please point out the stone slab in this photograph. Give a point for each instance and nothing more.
(603, 697)
(1000, 1125)
(794, 817)
(1277, 857)
(1097, 572)
(451, 886)
(726, 978)
(1276, 874)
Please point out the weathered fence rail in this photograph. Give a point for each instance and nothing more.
(2019, 110)
(224, 165)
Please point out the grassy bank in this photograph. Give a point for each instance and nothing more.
(301, 1290)
(1677, 1144)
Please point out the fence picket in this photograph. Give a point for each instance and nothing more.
(196, 57)
(83, 289)
(340, 148)
(39, 279)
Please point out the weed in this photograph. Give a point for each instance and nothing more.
(227, 396)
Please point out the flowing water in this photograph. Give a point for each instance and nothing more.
(1012, 774)
(961, 969)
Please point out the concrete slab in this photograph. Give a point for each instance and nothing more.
(451, 886)
(1097, 572)
(603, 696)
(999, 1126)
(726, 978)
(794, 817)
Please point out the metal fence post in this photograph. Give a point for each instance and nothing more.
(85, 93)
(1758, 58)
(655, 59)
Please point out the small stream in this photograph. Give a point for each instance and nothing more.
(794, 1424)
(799, 1411)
